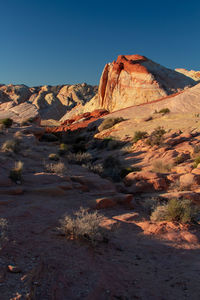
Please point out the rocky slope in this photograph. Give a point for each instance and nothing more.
(139, 258)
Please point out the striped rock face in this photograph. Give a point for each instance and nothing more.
(135, 79)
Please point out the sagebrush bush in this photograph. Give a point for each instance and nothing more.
(6, 122)
(160, 167)
(83, 225)
(12, 145)
(95, 168)
(109, 122)
(16, 172)
(79, 158)
(156, 137)
(57, 168)
(139, 135)
(181, 211)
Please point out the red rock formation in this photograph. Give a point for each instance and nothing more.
(80, 121)
(134, 79)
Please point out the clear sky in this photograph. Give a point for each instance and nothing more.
(59, 42)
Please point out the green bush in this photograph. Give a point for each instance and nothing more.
(156, 137)
(63, 148)
(181, 211)
(196, 161)
(164, 111)
(109, 122)
(6, 122)
(139, 135)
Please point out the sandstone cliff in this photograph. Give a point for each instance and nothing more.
(135, 79)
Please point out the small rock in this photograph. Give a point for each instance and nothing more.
(14, 269)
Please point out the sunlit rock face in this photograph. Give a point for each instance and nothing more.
(52, 102)
(135, 79)
(192, 74)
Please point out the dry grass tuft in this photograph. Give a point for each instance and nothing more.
(160, 167)
(16, 172)
(11, 146)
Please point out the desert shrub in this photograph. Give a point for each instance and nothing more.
(3, 232)
(109, 122)
(164, 111)
(57, 168)
(79, 158)
(16, 172)
(159, 214)
(11, 146)
(160, 167)
(139, 135)
(95, 168)
(196, 161)
(182, 211)
(6, 122)
(156, 137)
(53, 156)
(82, 225)
(63, 148)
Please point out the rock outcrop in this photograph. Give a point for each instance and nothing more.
(135, 79)
(52, 102)
(195, 75)
(19, 113)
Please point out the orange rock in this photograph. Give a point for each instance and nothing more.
(189, 180)
(104, 203)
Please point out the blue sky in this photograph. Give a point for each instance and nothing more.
(59, 42)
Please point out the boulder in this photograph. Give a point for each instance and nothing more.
(20, 113)
(188, 180)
